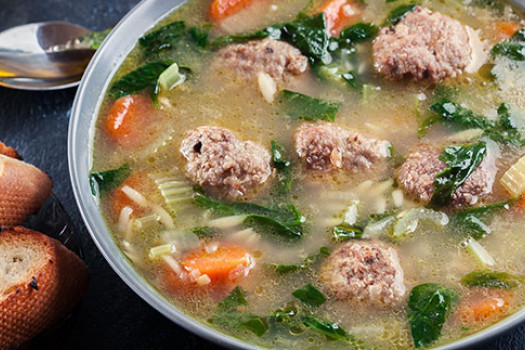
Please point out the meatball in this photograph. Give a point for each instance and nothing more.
(365, 271)
(423, 45)
(219, 162)
(275, 58)
(325, 147)
(416, 177)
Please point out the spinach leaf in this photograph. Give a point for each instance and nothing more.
(231, 313)
(397, 14)
(346, 231)
(286, 222)
(329, 329)
(310, 295)
(282, 269)
(452, 112)
(163, 38)
(508, 128)
(492, 279)
(103, 182)
(429, 306)
(357, 33)
(140, 79)
(203, 231)
(514, 48)
(470, 219)
(283, 166)
(334, 73)
(461, 161)
(333, 332)
(308, 34)
(200, 35)
(299, 106)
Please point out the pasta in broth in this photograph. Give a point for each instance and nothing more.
(323, 174)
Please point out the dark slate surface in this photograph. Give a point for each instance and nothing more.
(35, 123)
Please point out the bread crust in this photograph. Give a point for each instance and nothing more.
(8, 151)
(56, 285)
(23, 190)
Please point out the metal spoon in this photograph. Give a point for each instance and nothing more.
(46, 56)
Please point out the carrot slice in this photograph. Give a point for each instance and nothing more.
(481, 307)
(138, 181)
(127, 119)
(507, 29)
(339, 14)
(220, 9)
(220, 262)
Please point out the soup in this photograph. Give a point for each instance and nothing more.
(323, 174)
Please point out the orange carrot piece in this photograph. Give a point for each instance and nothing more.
(481, 307)
(507, 29)
(138, 181)
(127, 118)
(339, 14)
(225, 263)
(220, 9)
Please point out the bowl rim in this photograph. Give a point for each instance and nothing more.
(88, 98)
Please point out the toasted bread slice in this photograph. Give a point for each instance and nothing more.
(40, 281)
(8, 151)
(23, 190)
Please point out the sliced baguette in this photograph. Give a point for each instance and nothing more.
(40, 281)
(23, 190)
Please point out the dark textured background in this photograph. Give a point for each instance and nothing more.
(35, 123)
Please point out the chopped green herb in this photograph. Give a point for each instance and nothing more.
(346, 231)
(103, 182)
(470, 219)
(299, 106)
(310, 295)
(492, 279)
(397, 14)
(144, 77)
(204, 231)
(461, 162)
(429, 306)
(452, 112)
(324, 251)
(333, 331)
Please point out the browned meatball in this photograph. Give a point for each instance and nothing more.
(416, 177)
(365, 271)
(326, 146)
(275, 58)
(423, 45)
(219, 162)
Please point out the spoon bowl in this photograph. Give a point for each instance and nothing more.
(44, 56)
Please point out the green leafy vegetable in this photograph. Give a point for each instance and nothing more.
(461, 162)
(103, 182)
(397, 14)
(358, 32)
(144, 77)
(333, 331)
(514, 48)
(163, 38)
(508, 128)
(282, 269)
(310, 295)
(470, 219)
(231, 313)
(204, 231)
(286, 222)
(200, 35)
(308, 34)
(282, 164)
(429, 306)
(299, 106)
(346, 231)
(492, 279)
(494, 5)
